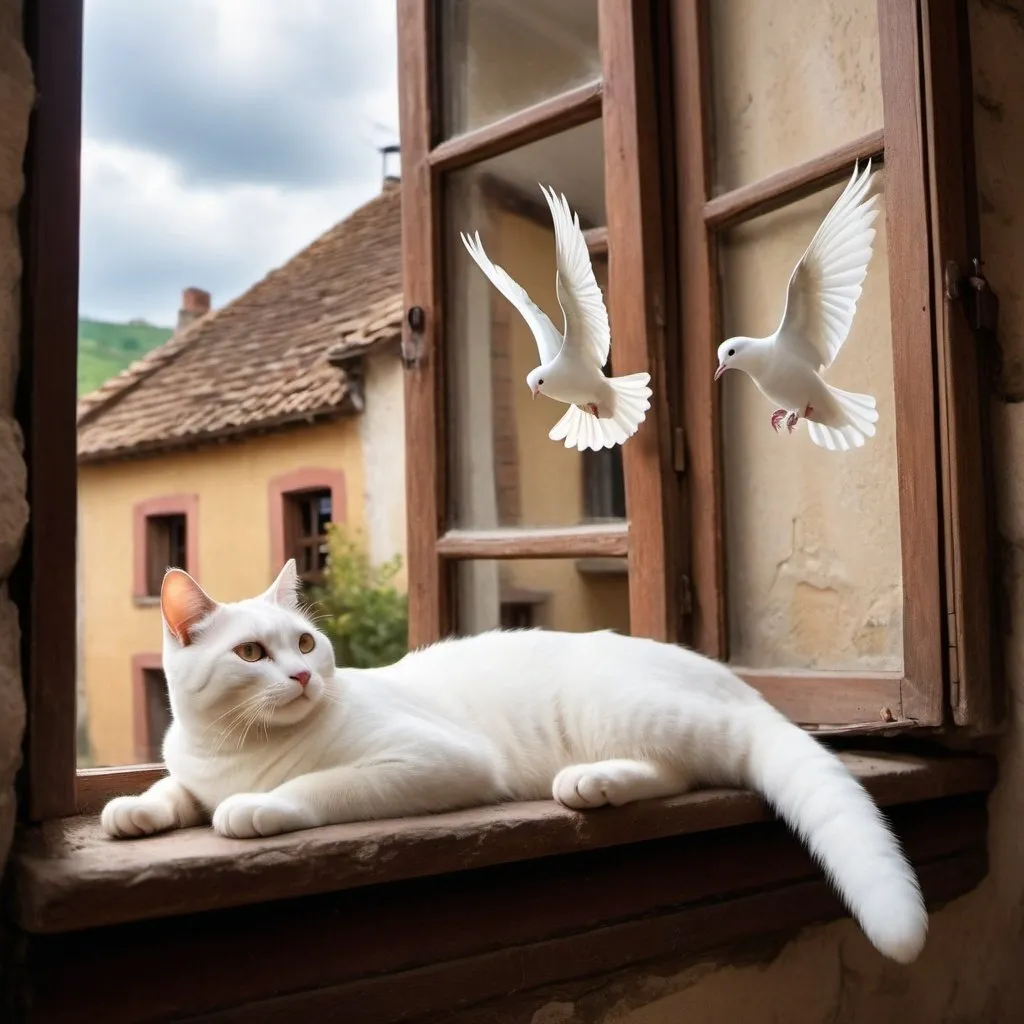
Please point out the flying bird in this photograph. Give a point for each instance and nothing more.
(603, 411)
(821, 303)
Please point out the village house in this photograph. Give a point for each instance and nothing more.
(229, 448)
(874, 596)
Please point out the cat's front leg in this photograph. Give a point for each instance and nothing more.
(247, 815)
(165, 805)
(438, 779)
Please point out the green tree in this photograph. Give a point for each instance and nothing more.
(360, 609)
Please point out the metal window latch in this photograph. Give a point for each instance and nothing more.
(980, 302)
(412, 339)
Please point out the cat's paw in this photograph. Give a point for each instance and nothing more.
(582, 786)
(128, 817)
(247, 815)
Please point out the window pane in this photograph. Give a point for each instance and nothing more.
(813, 543)
(499, 56)
(572, 594)
(505, 470)
(791, 81)
(157, 717)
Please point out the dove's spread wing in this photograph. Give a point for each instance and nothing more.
(826, 283)
(586, 318)
(549, 341)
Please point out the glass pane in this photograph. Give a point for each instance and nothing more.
(505, 470)
(791, 81)
(499, 56)
(572, 594)
(813, 543)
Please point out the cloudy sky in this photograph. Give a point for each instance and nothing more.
(220, 137)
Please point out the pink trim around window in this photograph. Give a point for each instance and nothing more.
(168, 505)
(297, 482)
(140, 720)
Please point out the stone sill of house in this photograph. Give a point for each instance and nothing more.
(146, 600)
(68, 876)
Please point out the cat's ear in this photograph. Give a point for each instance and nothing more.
(284, 591)
(184, 604)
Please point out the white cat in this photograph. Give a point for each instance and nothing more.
(269, 737)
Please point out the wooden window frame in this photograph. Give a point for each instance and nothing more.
(186, 505)
(299, 481)
(637, 305)
(63, 875)
(932, 529)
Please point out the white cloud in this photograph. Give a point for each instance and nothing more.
(222, 136)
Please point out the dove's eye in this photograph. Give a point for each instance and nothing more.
(539, 383)
(731, 352)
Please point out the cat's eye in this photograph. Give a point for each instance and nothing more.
(306, 643)
(251, 651)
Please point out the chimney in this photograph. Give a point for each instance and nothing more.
(194, 303)
(391, 177)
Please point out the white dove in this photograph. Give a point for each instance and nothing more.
(820, 306)
(603, 411)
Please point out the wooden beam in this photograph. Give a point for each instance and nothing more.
(792, 184)
(609, 540)
(540, 121)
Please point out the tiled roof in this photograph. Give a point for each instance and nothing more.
(261, 361)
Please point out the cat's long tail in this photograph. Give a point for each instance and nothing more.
(815, 794)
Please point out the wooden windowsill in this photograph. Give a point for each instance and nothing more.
(69, 876)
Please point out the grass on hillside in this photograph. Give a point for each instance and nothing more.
(105, 349)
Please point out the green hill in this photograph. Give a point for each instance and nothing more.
(105, 349)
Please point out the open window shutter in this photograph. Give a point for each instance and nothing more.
(965, 333)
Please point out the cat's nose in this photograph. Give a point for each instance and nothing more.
(301, 677)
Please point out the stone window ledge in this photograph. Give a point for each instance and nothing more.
(68, 876)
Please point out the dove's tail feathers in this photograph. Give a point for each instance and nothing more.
(619, 418)
(815, 794)
(859, 417)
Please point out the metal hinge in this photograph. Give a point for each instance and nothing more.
(412, 339)
(954, 661)
(679, 450)
(980, 302)
(685, 596)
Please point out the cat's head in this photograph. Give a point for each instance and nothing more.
(259, 663)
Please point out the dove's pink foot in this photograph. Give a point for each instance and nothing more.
(777, 418)
(793, 418)
(592, 409)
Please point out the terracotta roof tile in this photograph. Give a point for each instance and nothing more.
(262, 360)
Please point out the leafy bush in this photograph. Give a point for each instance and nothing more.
(360, 609)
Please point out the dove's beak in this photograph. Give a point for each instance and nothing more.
(721, 369)
(534, 391)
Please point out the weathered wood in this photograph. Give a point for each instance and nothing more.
(69, 876)
(422, 287)
(636, 305)
(978, 691)
(699, 329)
(539, 121)
(44, 583)
(540, 542)
(492, 931)
(792, 184)
(913, 354)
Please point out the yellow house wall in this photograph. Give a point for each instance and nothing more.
(234, 548)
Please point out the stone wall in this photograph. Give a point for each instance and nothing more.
(16, 94)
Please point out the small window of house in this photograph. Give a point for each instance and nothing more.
(166, 547)
(307, 515)
(155, 715)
